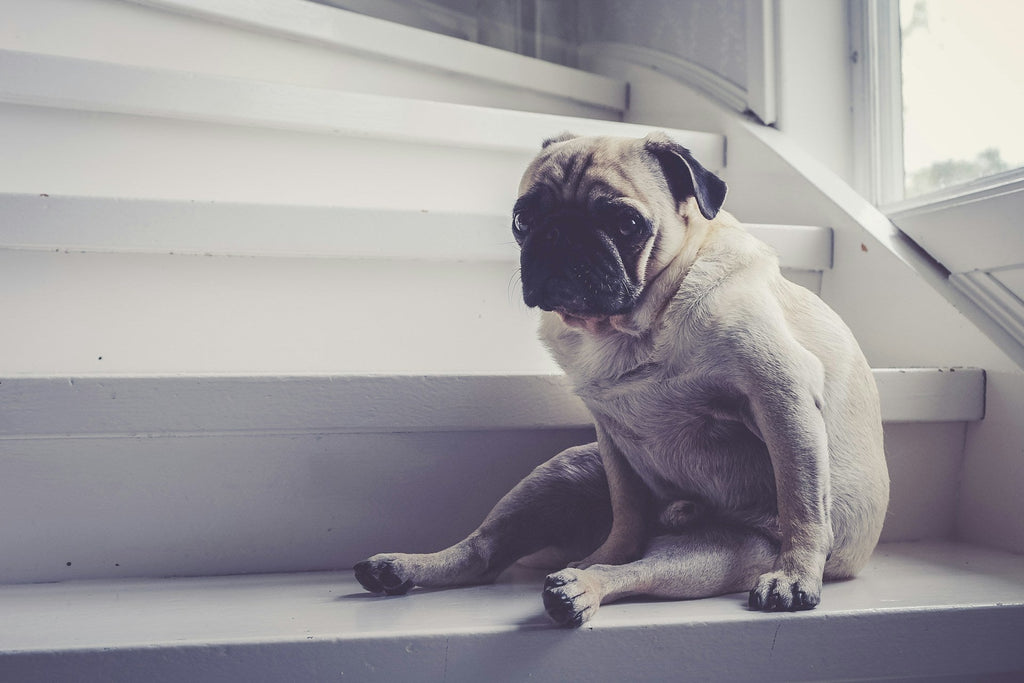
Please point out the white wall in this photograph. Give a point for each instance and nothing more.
(814, 80)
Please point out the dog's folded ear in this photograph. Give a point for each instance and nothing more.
(686, 177)
(561, 137)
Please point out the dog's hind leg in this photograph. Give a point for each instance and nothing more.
(563, 503)
(701, 561)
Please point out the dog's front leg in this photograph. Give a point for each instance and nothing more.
(787, 411)
(625, 541)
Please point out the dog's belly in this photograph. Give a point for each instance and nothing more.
(694, 446)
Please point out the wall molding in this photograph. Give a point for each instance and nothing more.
(681, 69)
(997, 300)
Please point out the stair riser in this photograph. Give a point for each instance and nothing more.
(197, 315)
(269, 502)
(130, 156)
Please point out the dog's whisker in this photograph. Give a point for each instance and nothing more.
(515, 281)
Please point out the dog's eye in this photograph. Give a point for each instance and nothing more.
(519, 225)
(630, 224)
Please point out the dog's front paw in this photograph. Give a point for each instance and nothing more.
(569, 598)
(384, 574)
(784, 592)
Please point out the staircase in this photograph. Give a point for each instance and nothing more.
(261, 321)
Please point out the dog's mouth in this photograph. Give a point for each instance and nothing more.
(568, 307)
(586, 321)
(579, 311)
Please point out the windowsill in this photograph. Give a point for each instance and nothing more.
(957, 195)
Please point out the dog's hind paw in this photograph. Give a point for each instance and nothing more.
(384, 574)
(784, 592)
(569, 599)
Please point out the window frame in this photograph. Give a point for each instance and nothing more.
(877, 100)
(875, 51)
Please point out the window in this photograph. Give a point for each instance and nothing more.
(725, 48)
(963, 91)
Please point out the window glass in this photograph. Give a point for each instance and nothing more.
(963, 91)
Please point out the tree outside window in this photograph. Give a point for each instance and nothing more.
(963, 91)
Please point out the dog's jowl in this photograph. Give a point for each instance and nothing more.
(739, 440)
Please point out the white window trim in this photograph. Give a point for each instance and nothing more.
(877, 100)
(963, 193)
(762, 29)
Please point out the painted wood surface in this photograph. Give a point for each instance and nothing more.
(928, 611)
(96, 505)
(160, 315)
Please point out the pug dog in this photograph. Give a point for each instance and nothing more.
(739, 437)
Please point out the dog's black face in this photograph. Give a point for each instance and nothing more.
(595, 216)
(583, 259)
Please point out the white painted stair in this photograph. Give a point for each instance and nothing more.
(264, 320)
(897, 621)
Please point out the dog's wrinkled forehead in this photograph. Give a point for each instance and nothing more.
(582, 169)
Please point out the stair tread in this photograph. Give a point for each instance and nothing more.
(145, 225)
(943, 581)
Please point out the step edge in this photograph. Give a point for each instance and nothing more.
(999, 612)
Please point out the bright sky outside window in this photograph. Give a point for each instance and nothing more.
(963, 91)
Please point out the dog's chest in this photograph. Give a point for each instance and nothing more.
(676, 410)
(681, 424)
